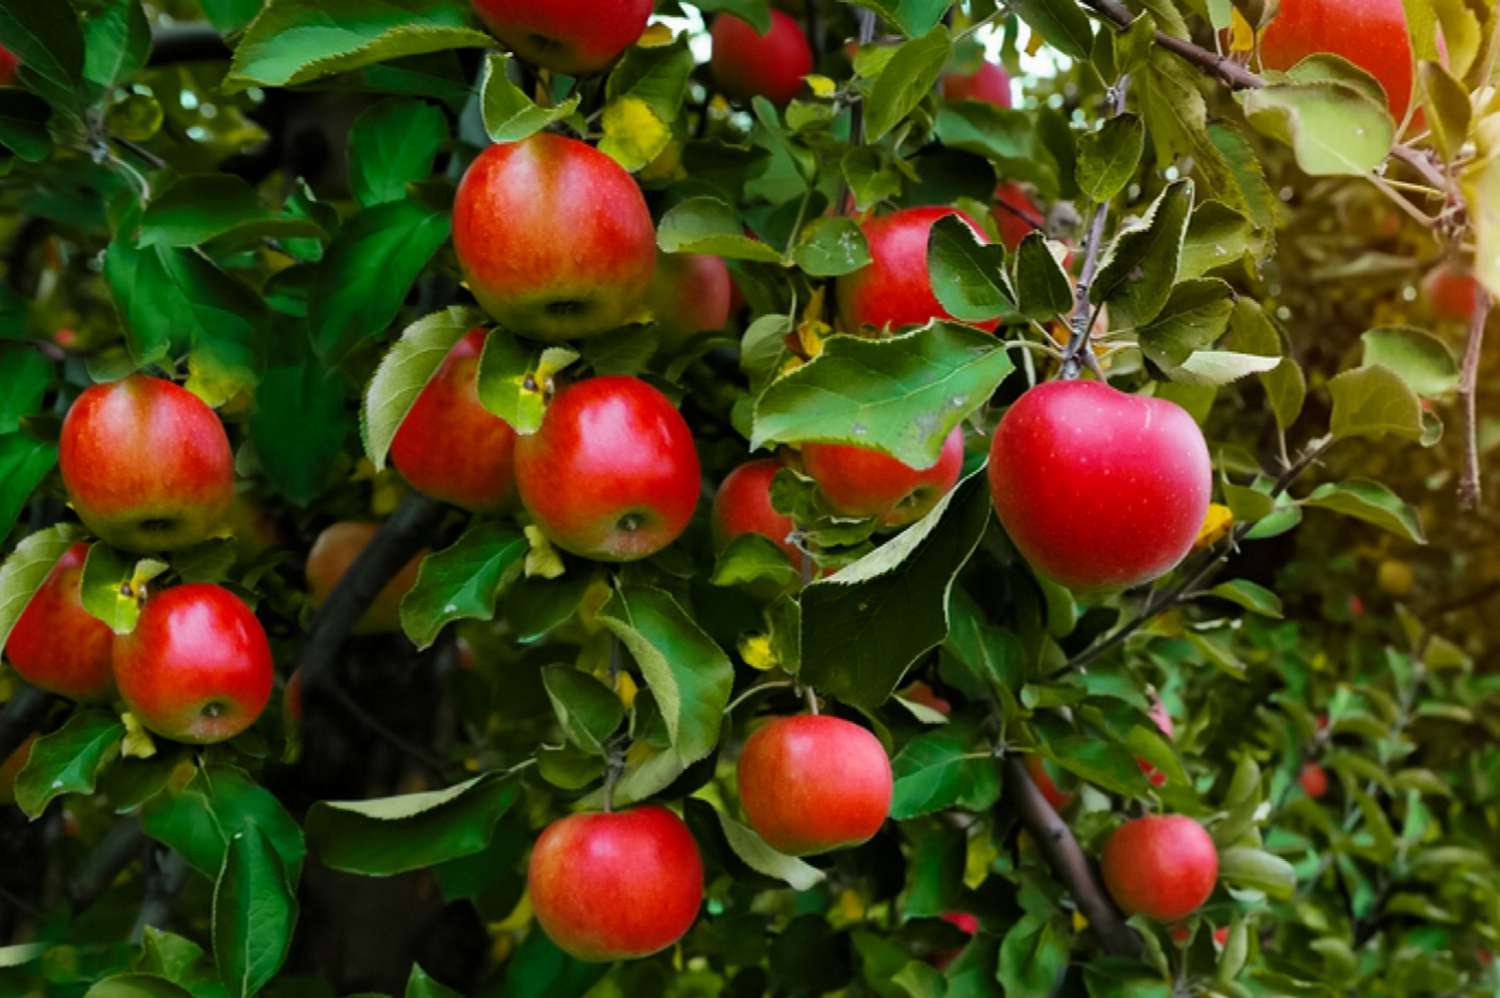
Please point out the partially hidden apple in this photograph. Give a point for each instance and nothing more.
(197, 668)
(811, 783)
(1451, 292)
(613, 472)
(1163, 866)
(690, 294)
(894, 289)
(862, 481)
(1097, 488)
(334, 551)
(747, 64)
(147, 464)
(1046, 776)
(1164, 724)
(59, 646)
(1372, 34)
(12, 766)
(8, 66)
(577, 37)
(1313, 779)
(988, 83)
(1016, 215)
(554, 238)
(451, 447)
(743, 506)
(616, 885)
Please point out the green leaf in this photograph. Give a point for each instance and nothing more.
(709, 226)
(1253, 597)
(1033, 956)
(751, 558)
(198, 820)
(890, 970)
(178, 960)
(1140, 266)
(940, 770)
(1217, 236)
(1167, 91)
(902, 395)
(200, 207)
(254, 914)
(1259, 870)
(24, 462)
(47, 39)
(136, 986)
(1042, 286)
(509, 115)
(1009, 139)
(588, 711)
(1448, 110)
(1109, 156)
(1334, 128)
(756, 13)
(832, 247)
(27, 568)
(1063, 25)
(516, 379)
(404, 371)
(462, 581)
(1371, 502)
(299, 426)
(1373, 401)
(23, 125)
(864, 626)
(761, 858)
(540, 970)
(908, 77)
(644, 95)
(68, 760)
(294, 41)
(109, 589)
(229, 16)
(688, 673)
(392, 144)
(1481, 186)
(1196, 313)
(1219, 367)
(1099, 762)
(422, 985)
(1417, 357)
(116, 40)
(968, 277)
(1148, 744)
(912, 17)
(368, 270)
(390, 835)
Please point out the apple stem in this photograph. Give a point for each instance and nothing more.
(1468, 485)
(811, 696)
(614, 766)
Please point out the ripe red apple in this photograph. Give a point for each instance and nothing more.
(197, 668)
(1314, 780)
(8, 66)
(812, 782)
(894, 288)
(1164, 866)
(690, 294)
(989, 83)
(616, 886)
(1221, 936)
(577, 37)
(1041, 775)
(963, 922)
(334, 551)
(743, 506)
(627, 461)
(147, 464)
(1016, 215)
(1372, 34)
(861, 481)
(554, 238)
(56, 644)
(1163, 721)
(1451, 292)
(1099, 489)
(748, 64)
(450, 446)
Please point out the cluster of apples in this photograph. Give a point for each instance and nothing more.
(148, 468)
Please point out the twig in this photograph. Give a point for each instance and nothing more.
(866, 22)
(120, 845)
(21, 717)
(1021, 213)
(166, 873)
(1468, 485)
(1067, 860)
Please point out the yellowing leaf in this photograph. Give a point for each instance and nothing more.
(633, 134)
(137, 743)
(655, 36)
(627, 689)
(821, 86)
(543, 559)
(1241, 35)
(1216, 526)
(757, 652)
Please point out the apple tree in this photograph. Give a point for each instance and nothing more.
(897, 498)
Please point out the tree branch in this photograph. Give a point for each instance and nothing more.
(1068, 862)
(166, 871)
(22, 717)
(120, 845)
(1227, 69)
(194, 41)
(1468, 485)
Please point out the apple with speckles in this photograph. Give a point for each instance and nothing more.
(1162, 866)
(895, 289)
(1372, 34)
(862, 481)
(747, 64)
(56, 644)
(577, 37)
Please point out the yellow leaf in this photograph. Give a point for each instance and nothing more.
(1216, 526)
(386, 495)
(977, 859)
(1482, 192)
(821, 86)
(627, 689)
(633, 134)
(655, 36)
(543, 559)
(594, 597)
(137, 743)
(1079, 922)
(755, 649)
(1241, 35)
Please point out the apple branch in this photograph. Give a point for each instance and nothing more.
(1068, 861)
(1468, 485)
(119, 847)
(21, 717)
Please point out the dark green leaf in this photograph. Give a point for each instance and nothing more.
(1108, 157)
(463, 581)
(1033, 956)
(391, 145)
(24, 463)
(198, 820)
(68, 760)
(1042, 286)
(27, 567)
(832, 247)
(968, 277)
(588, 711)
(907, 78)
(1063, 25)
(1195, 315)
(1371, 502)
(24, 375)
(1099, 762)
(201, 207)
(254, 914)
(1140, 266)
(117, 40)
(752, 558)
(299, 427)
(422, 985)
(709, 226)
(1253, 597)
(48, 41)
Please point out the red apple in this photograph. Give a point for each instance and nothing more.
(920, 692)
(616, 886)
(1099, 489)
(1451, 292)
(1372, 34)
(1163, 721)
(894, 288)
(1221, 936)
(747, 64)
(690, 294)
(1016, 215)
(147, 464)
(577, 37)
(1180, 933)
(627, 459)
(334, 551)
(554, 238)
(963, 922)
(1162, 866)
(14, 763)
(1041, 775)
(8, 66)
(861, 481)
(450, 446)
(56, 644)
(1314, 780)
(197, 667)
(743, 506)
(989, 83)
(813, 782)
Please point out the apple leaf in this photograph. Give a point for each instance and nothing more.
(902, 395)
(1417, 357)
(1258, 870)
(710, 226)
(1099, 762)
(753, 558)
(895, 597)
(1042, 286)
(462, 581)
(1139, 268)
(391, 145)
(68, 760)
(1335, 128)
(254, 914)
(938, 771)
(294, 41)
(1109, 156)
(516, 379)
(114, 586)
(200, 207)
(1253, 597)
(509, 115)
(1196, 313)
(137, 986)
(198, 820)
(27, 567)
(832, 247)
(756, 13)
(1371, 502)
(762, 858)
(1449, 113)
(913, 17)
(909, 77)
(588, 711)
(47, 39)
(299, 427)
(420, 984)
(1033, 955)
(644, 95)
(968, 277)
(404, 372)
(1373, 401)
(1217, 236)
(391, 835)
(24, 462)
(1007, 138)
